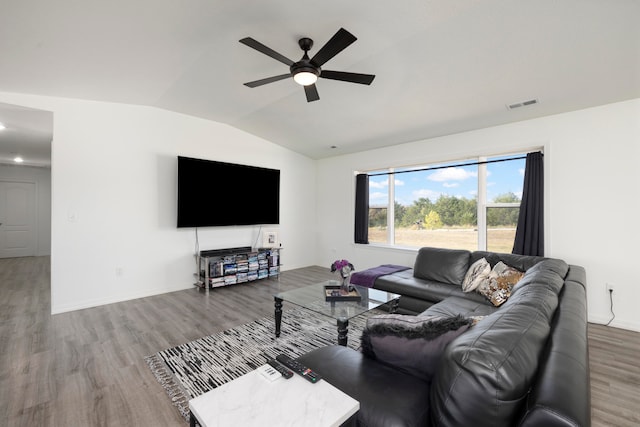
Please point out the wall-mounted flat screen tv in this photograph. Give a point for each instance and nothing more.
(212, 193)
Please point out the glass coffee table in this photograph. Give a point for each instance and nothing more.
(313, 298)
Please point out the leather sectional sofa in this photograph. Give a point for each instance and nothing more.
(525, 363)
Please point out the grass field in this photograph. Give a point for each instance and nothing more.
(498, 240)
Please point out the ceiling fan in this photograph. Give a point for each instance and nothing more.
(307, 70)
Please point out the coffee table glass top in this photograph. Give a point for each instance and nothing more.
(313, 298)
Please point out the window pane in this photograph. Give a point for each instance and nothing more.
(378, 202)
(501, 228)
(437, 208)
(505, 180)
(504, 186)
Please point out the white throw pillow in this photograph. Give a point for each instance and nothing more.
(477, 273)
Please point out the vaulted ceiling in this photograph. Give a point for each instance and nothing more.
(441, 66)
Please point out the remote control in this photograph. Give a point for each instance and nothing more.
(280, 368)
(298, 368)
(269, 372)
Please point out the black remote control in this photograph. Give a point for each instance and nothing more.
(298, 368)
(280, 368)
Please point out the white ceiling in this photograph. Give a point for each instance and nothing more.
(441, 66)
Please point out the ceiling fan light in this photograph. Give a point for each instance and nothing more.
(305, 78)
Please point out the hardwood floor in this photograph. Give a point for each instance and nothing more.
(86, 368)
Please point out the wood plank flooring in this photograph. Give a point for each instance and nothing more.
(86, 368)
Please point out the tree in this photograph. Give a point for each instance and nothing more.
(450, 209)
(503, 216)
(432, 221)
(416, 212)
(399, 212)
(378, 217)
(506, 198)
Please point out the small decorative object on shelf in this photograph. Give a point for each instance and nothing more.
(344, 269)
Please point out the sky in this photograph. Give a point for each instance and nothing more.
(459, 181)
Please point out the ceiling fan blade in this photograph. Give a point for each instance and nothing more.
(334, 46)
(364, 79)
(312, 93)
(261, 82)
(266, 50)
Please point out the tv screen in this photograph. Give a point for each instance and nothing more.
(212, 193)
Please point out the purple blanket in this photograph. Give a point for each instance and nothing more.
(368, 277)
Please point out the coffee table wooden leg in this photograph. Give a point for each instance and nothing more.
(278, 314)
(343, 330)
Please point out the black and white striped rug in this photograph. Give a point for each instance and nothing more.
(191, 369)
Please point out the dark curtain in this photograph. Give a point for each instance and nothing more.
(361, 234)
(530, 230)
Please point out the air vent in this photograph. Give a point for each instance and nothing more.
(522, 104)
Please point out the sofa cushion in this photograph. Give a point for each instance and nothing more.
(428, 290)
(521, 262)
(413, 344)
(498, 285)
(541, 274)
(454, 306)
(476, 275)
(442, 265)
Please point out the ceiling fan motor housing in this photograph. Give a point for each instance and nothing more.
(305, 65)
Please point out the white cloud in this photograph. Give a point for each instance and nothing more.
(378, 184)
(451, 184)
(378, 197)
(385, 183)
(451, 174)
(521, 172)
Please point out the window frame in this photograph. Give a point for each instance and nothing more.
(482, 204)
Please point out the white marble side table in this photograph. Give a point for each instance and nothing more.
(253, 400)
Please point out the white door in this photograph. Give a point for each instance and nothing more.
(17, 219)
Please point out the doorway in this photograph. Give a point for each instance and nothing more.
(18, 228)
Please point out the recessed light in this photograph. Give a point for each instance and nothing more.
(18, 159)
(2, 127)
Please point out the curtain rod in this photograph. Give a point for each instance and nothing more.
(452, 166)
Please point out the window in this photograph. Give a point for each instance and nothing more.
(470, 204)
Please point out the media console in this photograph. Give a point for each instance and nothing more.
(223, 267)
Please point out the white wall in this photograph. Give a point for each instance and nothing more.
(41, 177)
(114, 199)
(114, 194)
(592, 204)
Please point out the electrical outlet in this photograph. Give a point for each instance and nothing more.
(609, 287)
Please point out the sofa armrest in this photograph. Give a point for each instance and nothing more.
(387, 397)
(561, 395)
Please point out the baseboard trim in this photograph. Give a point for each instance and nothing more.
(615, 323)
(59, 309)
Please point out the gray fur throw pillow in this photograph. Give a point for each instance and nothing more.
(413, 344)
